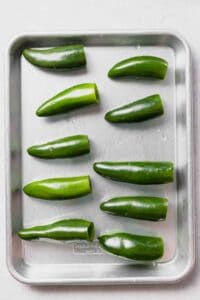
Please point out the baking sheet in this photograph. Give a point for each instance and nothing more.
(156, 139)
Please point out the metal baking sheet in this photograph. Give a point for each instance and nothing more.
(166, 138)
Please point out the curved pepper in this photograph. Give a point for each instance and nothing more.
(132, 246)
(137, 172)
(64, 57)
(140, 207)
(140, 110)
(62, 148)
(69, 229)
(74, 97)
(59, 188)
(140, 66)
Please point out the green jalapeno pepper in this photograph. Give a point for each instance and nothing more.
(69, 229)
(139, 207)
(59, 188)
(140, 66)
(74, 97)
(131, 246)
(137, 172)
(64, 57)
(66, 147)
(143, 109)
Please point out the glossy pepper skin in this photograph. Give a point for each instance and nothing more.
(140, 66)
(146, 172)
(138, 207)
(66, 147)
(140, 110)
(64, 57)
(74, 97)
(68, 229)
(132, 246)
(59, 188)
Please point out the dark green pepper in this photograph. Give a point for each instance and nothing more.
(140, 66)
(62, 148)
(143, 109)
(131, 246)
(64, 57)
(69, 229)
(74, 97)
(137, 172)
(59, 188)
(140, 207)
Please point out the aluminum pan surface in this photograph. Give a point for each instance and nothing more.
(165, 138)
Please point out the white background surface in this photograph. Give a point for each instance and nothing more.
(18, 17)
